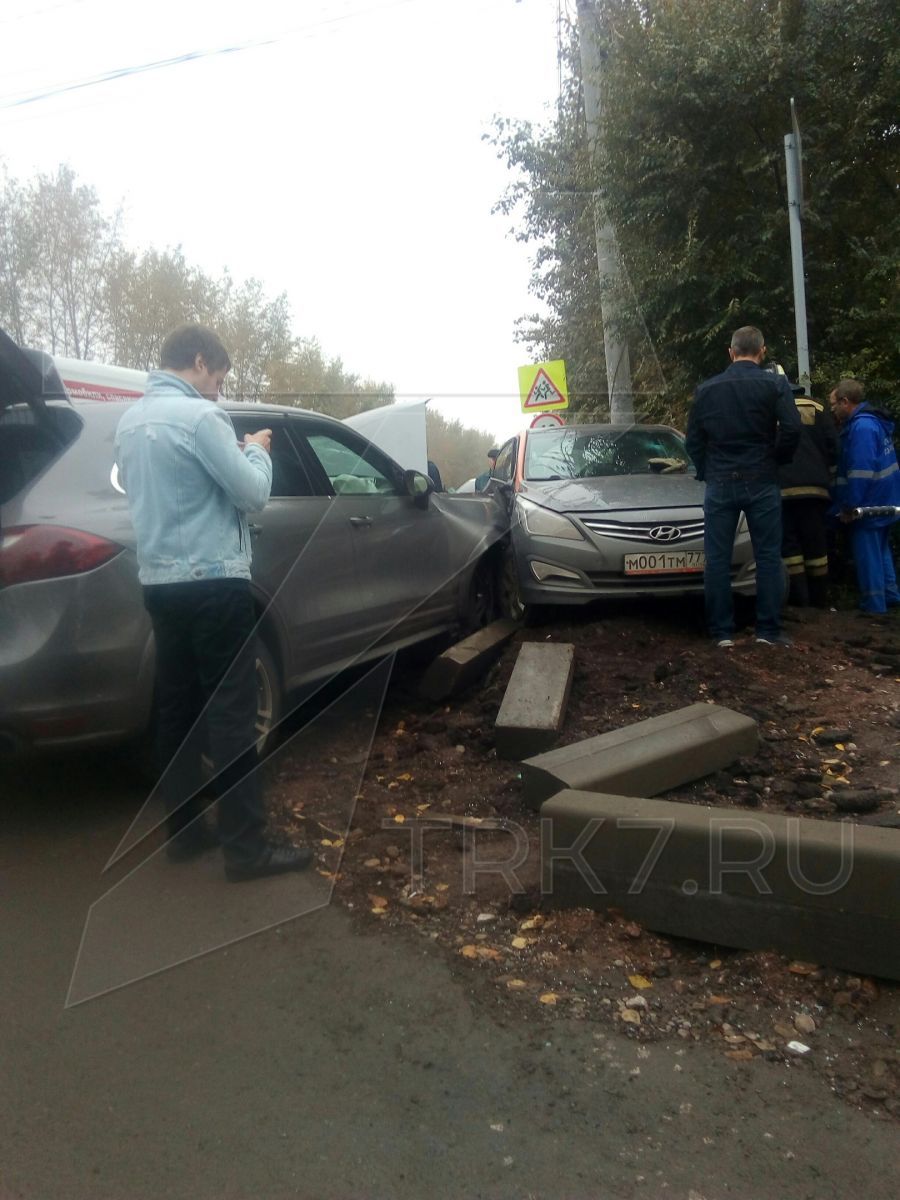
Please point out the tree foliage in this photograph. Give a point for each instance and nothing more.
(459, 451)
(695, 107)
(69, 284)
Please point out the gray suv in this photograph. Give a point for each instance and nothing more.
(353, 558)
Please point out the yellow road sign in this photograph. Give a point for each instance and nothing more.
(542, 386)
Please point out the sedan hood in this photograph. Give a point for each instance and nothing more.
(615, 492)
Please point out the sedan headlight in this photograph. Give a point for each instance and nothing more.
(544, 523)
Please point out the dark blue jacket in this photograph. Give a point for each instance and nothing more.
(743, 424)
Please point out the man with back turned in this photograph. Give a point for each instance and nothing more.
(743, 424)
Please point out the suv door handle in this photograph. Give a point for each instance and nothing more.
(360, 521)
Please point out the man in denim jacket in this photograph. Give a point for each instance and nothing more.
(190, 485)
(743, 424)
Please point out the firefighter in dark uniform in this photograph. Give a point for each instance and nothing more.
(805, 497)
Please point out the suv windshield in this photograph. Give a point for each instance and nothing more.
(589, 453)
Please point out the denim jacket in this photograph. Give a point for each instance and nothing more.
(189, 484)
(743, 424)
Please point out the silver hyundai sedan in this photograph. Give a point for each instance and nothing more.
(602, 511)
(353, 557)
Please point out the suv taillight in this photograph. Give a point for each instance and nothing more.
(32, 552)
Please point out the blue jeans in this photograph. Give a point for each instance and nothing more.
(761, 504)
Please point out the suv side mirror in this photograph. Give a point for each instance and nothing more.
(419, 487)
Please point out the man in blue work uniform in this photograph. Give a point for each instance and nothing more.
(743, 424)
(868, 477)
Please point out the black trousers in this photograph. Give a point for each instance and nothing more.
(804, 549)
(206, 703)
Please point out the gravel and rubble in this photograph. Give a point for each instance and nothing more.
(829, 716)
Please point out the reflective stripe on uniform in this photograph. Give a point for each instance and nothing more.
(816, 566)
(873, 474)
(809, 490)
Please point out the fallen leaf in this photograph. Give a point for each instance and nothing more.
(802, 968)
(516, 985)
(715, 964)
(640, 982)
(378, 901)
(532, 923)
(443, 887)
(740, 1055)
(422, 807)
(378, 912)
(469, 951)
(519, 943)
(393, 785)
(404, 778)
(372, 862)
(487, 952)
(548, 998)
(630, 1016)
(763, 1044)
(839, 746)
(719, 1000)
(399, 818)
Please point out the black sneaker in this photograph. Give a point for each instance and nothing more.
(191, 843)
(773, 639)
(274, 860)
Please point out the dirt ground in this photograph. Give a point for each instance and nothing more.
(829, 717)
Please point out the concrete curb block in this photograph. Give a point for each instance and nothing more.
(646, 758)
(464, 663)
(534, 706)
(822, 891)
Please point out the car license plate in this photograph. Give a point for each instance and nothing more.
(664, 562)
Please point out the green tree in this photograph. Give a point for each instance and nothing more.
(459, 450)
(147, 294)
(70, 286)
(696, 105)
(57, 245)
(307, 378)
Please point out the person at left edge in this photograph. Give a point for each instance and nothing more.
(482, 480)
(189, 486)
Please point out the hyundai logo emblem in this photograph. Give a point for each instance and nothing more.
(665, 533)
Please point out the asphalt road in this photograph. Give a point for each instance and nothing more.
(329, 1062)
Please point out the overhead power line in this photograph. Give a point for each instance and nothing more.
(60, 89)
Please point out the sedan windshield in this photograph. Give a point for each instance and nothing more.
(590, 453)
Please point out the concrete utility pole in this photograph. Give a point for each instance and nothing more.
(793, 158)
(618, 362)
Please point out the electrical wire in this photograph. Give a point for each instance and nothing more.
(50, 8)
(19, 101)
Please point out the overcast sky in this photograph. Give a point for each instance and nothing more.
(342, 163)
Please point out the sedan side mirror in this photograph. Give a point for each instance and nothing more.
(419, 487)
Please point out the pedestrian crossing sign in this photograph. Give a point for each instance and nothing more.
(542, 386)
